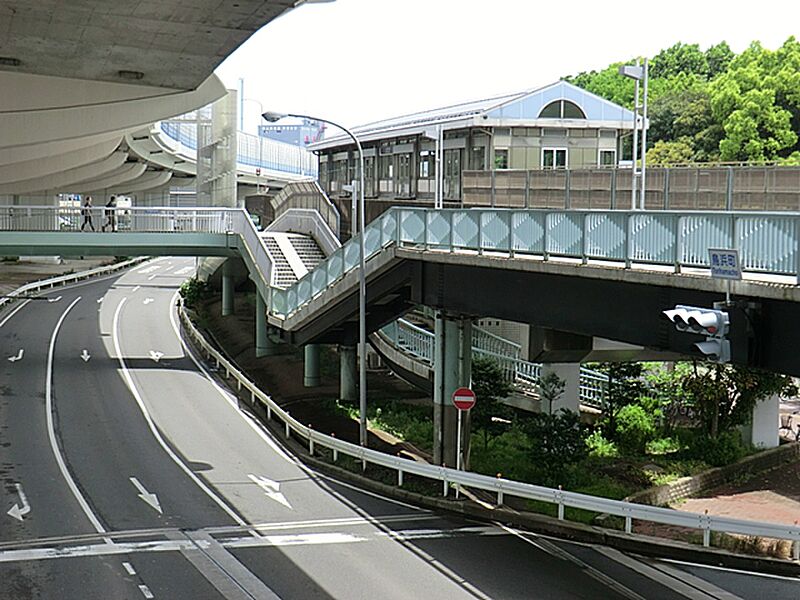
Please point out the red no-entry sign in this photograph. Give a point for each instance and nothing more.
(463, 398)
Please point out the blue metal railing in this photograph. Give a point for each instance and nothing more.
(418, 342)
(767, 242)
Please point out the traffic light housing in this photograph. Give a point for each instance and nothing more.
(710, 322)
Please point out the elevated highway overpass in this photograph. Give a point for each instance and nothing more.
(602, 273)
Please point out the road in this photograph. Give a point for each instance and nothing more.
(128, 472)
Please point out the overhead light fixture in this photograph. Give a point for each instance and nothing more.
(134, 75)
(8, 61)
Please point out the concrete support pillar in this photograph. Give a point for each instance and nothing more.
(311, 376)
(570, 373)
(264, 345)
(227, 288)
(348, 373)
(451, 365)
(766, 420)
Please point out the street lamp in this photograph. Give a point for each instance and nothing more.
(260, 145)
(272, 117)
(638, 73)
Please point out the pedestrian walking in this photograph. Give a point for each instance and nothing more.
(111, 214)
(86, 213)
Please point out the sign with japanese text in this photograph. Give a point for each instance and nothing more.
(724, 263)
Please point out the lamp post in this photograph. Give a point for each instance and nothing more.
(638, 74)
(272, 117)
(260, 146)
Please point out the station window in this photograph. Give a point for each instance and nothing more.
(562, 109)
(554, 158)
(607, 158)
(501, 158)
(427, 164)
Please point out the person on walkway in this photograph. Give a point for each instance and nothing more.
(86, 212)
(111, 214)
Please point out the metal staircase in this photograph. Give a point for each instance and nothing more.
(286, 258)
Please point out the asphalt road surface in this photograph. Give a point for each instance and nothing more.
(127, 472)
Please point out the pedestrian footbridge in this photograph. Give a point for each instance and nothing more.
(602, 273)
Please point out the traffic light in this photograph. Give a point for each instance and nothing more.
(712, 323)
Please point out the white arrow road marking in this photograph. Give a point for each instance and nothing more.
(156, 355)
(85, 355)
(151, 499)
(148, 301)
(56, 299)
(99, 300)
(17, 357)
(271, 489)
(16, 511)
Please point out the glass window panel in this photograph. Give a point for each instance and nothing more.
(572, 111)
(551, 111)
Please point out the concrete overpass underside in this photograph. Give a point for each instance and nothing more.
(610, 303)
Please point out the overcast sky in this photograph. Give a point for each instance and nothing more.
(356, 61)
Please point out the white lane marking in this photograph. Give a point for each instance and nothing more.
(687, 578)
(13, 312)
(146, 591)
(681, 586)
(147, 301)
(85, 355)
(148, 497)
(260, 428)
(19, 512)
(152, 277)
(730, 570)
(135, 288)
(156, 355)
(183, 271)
(100, 299)
(554, 550)
(138, 397)
(271, 489)
(56, 299)
(147, 269)
(51, 432)
(129, 568)
(16, 357)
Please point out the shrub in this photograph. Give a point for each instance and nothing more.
(601, 447)
(667, 445)
(193, 291)
(557, 441)
(725, 449)
(634, 428)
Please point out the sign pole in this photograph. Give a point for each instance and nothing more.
(458, 450)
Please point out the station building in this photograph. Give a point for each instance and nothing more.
(559, 126)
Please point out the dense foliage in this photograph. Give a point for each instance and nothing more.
(714, 105)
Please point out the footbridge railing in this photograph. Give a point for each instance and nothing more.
(767, 242)
(419, 342)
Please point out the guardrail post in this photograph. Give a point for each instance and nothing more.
(705, 524)
(399, 478)
(287, 426)
(310, 441)
(560, 498)
(628, 524)
(796, 550)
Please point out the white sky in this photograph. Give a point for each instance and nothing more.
(356, 61)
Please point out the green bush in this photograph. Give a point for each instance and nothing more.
(601, 447)
(634, 428)
(723, 450)
(193, 291)
(667, 445)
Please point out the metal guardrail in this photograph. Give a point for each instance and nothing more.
(767, 242)
(419, 342)
(252, 151)
(495, 485)
(37, 286)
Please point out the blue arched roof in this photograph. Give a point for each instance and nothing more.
(528, 106)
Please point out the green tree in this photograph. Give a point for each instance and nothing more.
(557, 442)
(670, 153)
(680, 58)
(724, 395)
(625, 386)
(551, 388)
(718, 58)
(490, 387)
